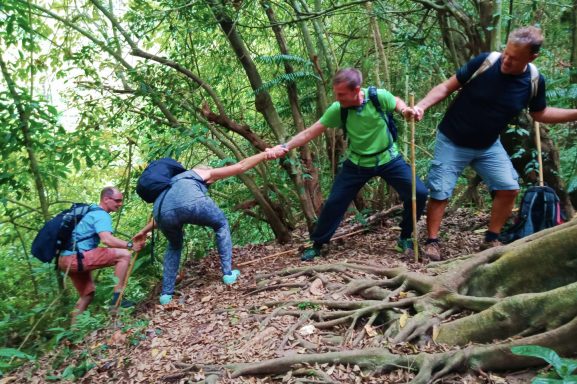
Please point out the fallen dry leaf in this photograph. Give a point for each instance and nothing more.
(370, 331)
(403, 319)
(117, 338)
(307, 330)
(317, 288)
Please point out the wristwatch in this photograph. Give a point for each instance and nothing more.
(129, 245)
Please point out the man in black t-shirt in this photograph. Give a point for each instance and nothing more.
(469, 132)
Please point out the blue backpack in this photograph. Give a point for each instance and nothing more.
(540, 209)
(56, 235)
(156, 178)
(387, 117)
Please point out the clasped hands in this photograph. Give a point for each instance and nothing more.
(139, 240)
(276, 152)
(415, 112)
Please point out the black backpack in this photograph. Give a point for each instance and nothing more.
(156, 178)
(387, 117)
(540, 209)
(56, 235)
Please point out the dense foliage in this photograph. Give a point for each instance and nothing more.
(92, 91)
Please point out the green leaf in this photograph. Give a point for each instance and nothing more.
(13, 352)
(571, 366)
(547, 354)
(572, 184)
(545, 380)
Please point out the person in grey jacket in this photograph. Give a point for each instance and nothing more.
(187, 202)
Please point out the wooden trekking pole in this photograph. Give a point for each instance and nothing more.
(130, 266)
(414, 182)
(539, 157)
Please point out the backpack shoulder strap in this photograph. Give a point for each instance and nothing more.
(486, 64)
(344, 115)
(374, 97)
(534, 80)
(372, 90)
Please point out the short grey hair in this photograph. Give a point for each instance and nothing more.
(108, 191)
(530, 36)
(352, 77)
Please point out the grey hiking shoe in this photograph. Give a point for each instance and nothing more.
(405, 246)
(433, 251)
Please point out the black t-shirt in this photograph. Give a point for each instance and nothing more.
(484, 107)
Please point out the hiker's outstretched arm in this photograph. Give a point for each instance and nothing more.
(111, 241)
(402, 107)
(212, 175)
(437, 94)
(553, 115)
(298, 140)
(140, 236)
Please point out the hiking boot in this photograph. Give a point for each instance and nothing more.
(310, 253)
(432, 251)
(123, 303)
(165, 299)
(489, 244)
(405, 246)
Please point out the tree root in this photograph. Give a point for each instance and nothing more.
(524, 293)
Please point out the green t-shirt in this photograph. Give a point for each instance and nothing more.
(366, 129)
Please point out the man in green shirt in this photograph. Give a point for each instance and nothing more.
(370, 153)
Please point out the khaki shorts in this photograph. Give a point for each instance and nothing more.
(94, 259)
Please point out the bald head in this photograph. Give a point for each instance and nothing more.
(109, 192)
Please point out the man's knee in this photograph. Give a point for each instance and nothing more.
(85, 300)
(122, 255)
(422, 193)
(506, 194)
(435, 204)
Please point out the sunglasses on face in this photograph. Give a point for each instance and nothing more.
(117, 200)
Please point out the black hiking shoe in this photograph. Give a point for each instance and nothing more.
(123, 304)
(311, 252)
(489, 244)
(406, 247)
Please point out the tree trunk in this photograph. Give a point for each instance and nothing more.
(24, 125)
(263, 103)
(573, 76)
(311, 182)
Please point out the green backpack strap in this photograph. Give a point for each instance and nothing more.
(374, 98)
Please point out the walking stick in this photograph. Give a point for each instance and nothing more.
(414, 182)
(539, 157)
(130, 266)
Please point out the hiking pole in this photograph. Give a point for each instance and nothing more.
(130, 266)
(539, 157)
(414, 181)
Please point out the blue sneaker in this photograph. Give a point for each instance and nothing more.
(231, 279)
(165, 299)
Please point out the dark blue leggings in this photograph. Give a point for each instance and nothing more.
(350, 180)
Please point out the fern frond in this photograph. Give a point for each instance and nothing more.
(281, 59)
(285, 79)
